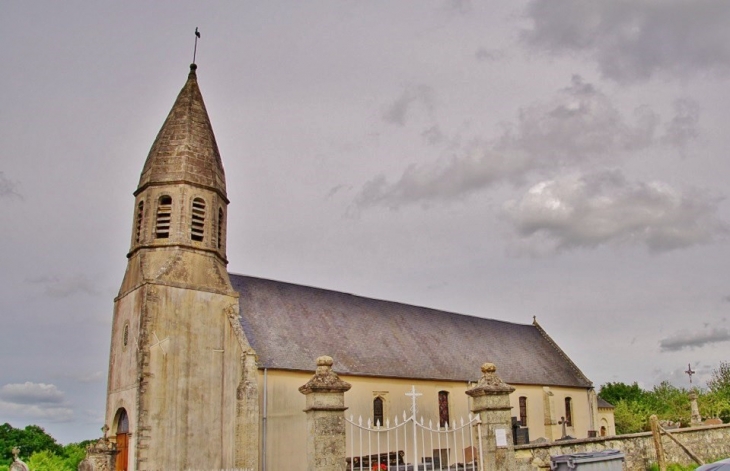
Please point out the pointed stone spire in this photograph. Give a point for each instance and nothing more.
(185, 150)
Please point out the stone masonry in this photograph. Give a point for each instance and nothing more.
(325, 399)
(491, 401)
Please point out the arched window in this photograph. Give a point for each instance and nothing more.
(164, 215)
(197, 226)
(378, 410)
(220, 228)
(123, 422)
(603, 431)
(523, 411)
(138, 222)
(568, 412)
(443, 408)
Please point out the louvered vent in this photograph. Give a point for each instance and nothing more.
(138, 226)
(164, 214)
(197, 226)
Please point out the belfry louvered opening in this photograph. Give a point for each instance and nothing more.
(164, 215)
(197, 226)
(138, 222)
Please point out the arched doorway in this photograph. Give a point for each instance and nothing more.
(122, 440)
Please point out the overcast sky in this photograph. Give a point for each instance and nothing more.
(565, 159)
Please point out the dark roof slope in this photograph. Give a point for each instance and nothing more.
(290, 325)
(604, 404)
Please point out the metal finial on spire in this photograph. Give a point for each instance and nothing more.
(690, 372)
(195, 50)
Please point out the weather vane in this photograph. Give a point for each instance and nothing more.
(690, 372)
(195, 50)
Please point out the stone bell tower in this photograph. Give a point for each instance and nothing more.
(177, 349)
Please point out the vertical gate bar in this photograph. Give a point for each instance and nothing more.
(377, 434)
(456, 443)
(352, 445)
(415, 438)
(361, 443)
(463, 443)
(423, 444)
(370, 442)
(438, 434)
(448, 447)
(405, 436)
(396, 436)
(430, 427)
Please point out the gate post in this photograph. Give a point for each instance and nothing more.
(325, 392)
(491, 401)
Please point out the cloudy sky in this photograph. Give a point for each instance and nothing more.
(565, 159)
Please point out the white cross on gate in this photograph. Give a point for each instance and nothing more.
(413, 395)
(159, 343)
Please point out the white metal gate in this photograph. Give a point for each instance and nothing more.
(408, 444)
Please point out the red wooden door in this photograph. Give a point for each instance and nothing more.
(121, 464)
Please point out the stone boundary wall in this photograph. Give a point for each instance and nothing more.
(710, 443)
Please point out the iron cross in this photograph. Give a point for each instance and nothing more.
(690, 372)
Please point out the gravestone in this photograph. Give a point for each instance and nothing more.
(17, 465)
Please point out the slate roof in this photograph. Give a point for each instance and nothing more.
(290, 325)
(185, 148)
(604, 404)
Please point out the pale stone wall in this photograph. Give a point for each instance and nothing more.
(709, 443)
(545, 407)
(606, 419)
(182, 414)
(188, 404)
(123, 366)
(286, 419)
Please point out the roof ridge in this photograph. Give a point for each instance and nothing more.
(560, 351)
(369, 298)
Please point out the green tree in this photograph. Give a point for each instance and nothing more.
(719, 383)
(30, 440)
(631, 416)
(615, 392)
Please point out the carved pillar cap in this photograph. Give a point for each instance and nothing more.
(490, 383)
(692, 396)
(325, 380)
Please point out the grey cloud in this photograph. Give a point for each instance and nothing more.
(484, 54)
(433, 135)
(94, 377)
(603, 207)
(460, 6)
(413, 96)
(8, 188)
(31, 393)
(682, 340)
(683, 127)
(34, 402)
(634, 39)
(579, 125)
(62, 287)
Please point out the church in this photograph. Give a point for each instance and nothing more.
(205, 365)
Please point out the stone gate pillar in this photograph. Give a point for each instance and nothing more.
(325, 392)
(491, 401)
(695, 418)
